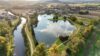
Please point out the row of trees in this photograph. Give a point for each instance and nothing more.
(6, 39)
(84, 12)
(6, 36)
(41, 50)
(77, 39)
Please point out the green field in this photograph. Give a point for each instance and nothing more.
(92, 45)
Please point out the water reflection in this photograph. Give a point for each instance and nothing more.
(18, 39)
(47, 31)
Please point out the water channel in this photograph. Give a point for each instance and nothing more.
(18, 39)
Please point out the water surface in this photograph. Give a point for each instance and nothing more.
(47, 31)
(18, 39)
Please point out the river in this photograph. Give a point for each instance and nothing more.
(18, 39)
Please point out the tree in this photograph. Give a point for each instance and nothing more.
(53, 51)
(6, 40)
(2, 40)
(40, 50)
(4, 28)
(79, 22)
(73, 18)
(97, 44)
(64, 53)
(83, 12)
(65, 18)
(2, 46)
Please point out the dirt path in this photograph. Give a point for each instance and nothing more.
(31, 42)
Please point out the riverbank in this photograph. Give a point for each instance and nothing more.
(14, 24)
(29, 39)
(6, 31)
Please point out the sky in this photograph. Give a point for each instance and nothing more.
(50, 0)
(20, 0)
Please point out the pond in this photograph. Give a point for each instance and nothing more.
(48, 31)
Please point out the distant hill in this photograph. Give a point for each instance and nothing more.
(3, 2)
(74, 1)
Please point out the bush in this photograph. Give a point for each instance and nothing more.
(79, 22)
(53, 51)
(40, 50)
(73, 18)
(83, 12)
(97, 44)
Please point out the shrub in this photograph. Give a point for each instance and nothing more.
(40, 50)
(83, 12)
(73, 18)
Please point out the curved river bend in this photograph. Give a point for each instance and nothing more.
(18, 39)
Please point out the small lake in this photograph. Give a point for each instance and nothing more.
(48, 31)
(19, 39)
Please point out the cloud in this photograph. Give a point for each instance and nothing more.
(59, 28)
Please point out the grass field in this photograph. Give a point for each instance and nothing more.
(92, 45)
